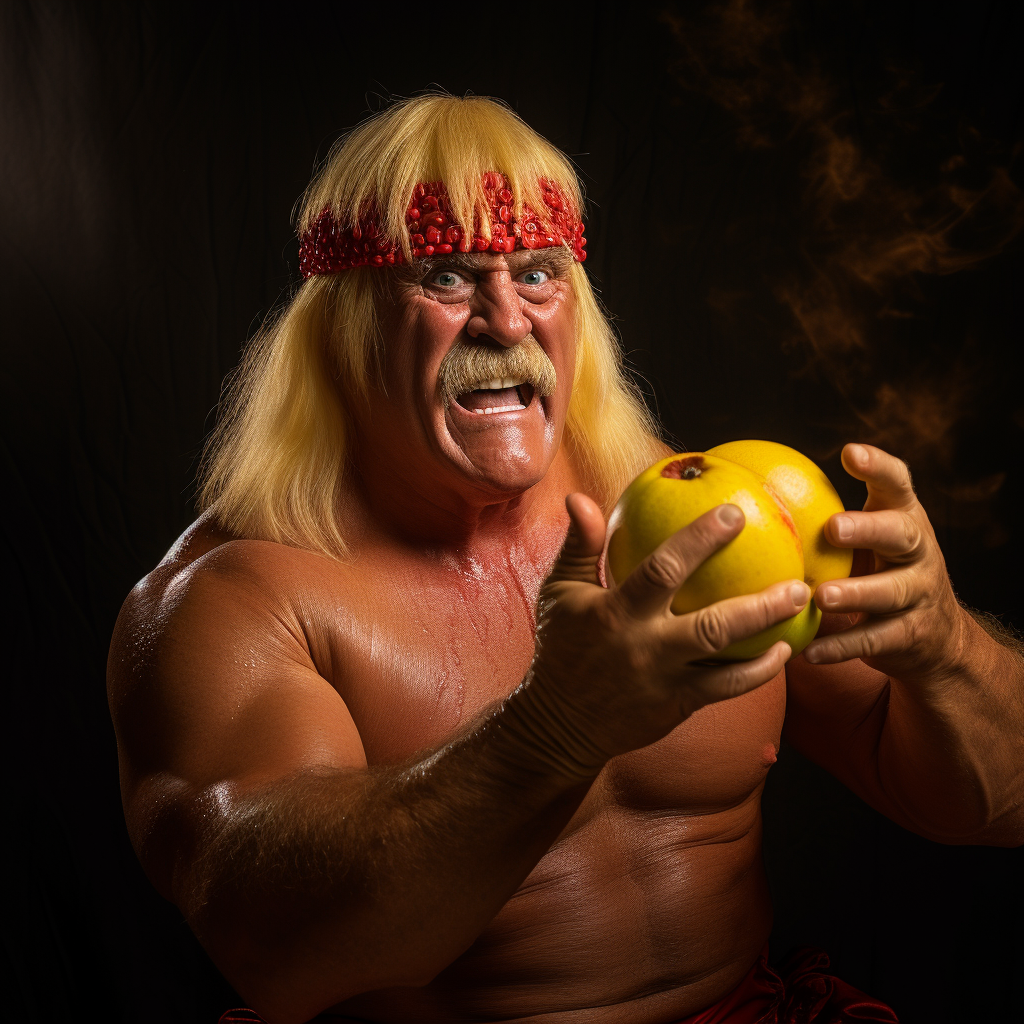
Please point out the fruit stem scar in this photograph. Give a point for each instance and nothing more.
(688, 468)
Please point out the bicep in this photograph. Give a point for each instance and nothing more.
(215, 692)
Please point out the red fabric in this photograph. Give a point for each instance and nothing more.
(802, 994)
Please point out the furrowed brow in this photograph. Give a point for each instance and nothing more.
(555, 257)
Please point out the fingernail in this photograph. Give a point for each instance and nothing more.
(830, 595)
(843, 527)
(799, 592)
(858, 454)
(730, 515)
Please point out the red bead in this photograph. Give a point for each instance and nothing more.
(418, 240)
(497, 231)
(378, 260)
(504, 214)
(498, 245)
(433, 236)
(444, 248)
(429, 203)
(389, 258)
(453, 234)
(510, 244)
(530, 226)
(435, 219)
(428, 250)
(480, 244)
(414, 213)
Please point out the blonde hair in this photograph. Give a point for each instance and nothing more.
(275, 465)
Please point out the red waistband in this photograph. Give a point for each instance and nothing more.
(801, 992)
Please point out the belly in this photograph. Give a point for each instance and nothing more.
(650, 906)
(633, 919)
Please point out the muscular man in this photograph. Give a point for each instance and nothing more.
(386, 738)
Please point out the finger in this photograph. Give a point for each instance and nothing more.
(893, 534)
(887, 478)
(584, 542)
(866, 640)
(650, 587)
(713, 628)
(738, 677)
(882, 593)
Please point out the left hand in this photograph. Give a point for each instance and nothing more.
(908, 623)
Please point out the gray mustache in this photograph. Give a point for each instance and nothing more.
(467, 365)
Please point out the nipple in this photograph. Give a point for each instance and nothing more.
(768, 755)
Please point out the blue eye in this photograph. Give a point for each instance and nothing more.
(535, 277)
(446, 279)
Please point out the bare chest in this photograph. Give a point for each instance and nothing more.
(421, 654)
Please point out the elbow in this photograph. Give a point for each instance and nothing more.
(289, 996)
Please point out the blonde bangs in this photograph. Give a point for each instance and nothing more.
(371, 173)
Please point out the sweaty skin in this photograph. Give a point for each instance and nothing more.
(652, 900)
(383, 789)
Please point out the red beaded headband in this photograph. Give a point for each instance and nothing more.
(325, 248)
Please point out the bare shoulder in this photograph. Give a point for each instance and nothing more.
(211, 679)
(211, 580)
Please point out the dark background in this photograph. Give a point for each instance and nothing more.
(804, 217)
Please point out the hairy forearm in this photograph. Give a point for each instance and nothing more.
(951, 751)
(328, 884)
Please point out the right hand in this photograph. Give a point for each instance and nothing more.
(615, 670)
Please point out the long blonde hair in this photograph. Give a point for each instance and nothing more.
(275, 464)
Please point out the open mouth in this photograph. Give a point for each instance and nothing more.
(499, 395)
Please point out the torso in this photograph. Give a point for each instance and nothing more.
(653, 903)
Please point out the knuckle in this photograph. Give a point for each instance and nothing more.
(915, 632)
(911, 534)
(901, 593)
(768, 607)
(873, 644)
(710, 629)
(663, 570)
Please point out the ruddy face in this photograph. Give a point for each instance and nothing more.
(478, 367)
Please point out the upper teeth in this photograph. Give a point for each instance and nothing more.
(500, 384)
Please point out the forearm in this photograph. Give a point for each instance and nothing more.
(316, 888)
(951, 750)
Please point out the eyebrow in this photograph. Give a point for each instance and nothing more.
(476, 262)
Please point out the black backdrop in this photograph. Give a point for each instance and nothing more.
(803, 216)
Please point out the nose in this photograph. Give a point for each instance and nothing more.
(496, 310)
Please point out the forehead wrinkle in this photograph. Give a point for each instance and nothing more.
(482, 262)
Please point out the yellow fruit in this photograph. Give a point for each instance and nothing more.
(808, 496)
(671, 494)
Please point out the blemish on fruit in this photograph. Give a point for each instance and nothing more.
(688, 468)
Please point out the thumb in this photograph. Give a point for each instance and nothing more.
(583, 543)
